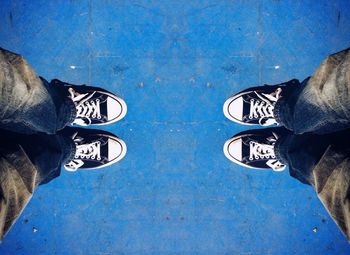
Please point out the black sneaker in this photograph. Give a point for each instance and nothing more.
(255, 106)
(95, 106)
(254, 149)
(95, 149)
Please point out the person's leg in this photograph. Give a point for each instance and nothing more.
(27, 103)
(302, 153)
(322, 161)
(27, 161)
(322, 105)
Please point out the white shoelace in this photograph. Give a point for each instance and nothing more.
(85, 106)
(84, 151)
(261, 151)
(263, 108)
(88, 151)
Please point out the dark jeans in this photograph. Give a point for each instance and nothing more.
(32, 147)
(27, 161)
(322, 161)
(46, 110)
(315, 140)
(320, 104)
(36, 127)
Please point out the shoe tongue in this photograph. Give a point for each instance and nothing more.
(259, 163)
(246, 108)
(103, 109)
(94, 163)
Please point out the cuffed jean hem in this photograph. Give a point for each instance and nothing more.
(68, 112)
(68, 148)
(284, 108)
(278, 112)
(281, 148)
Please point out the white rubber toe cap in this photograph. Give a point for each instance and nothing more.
(233, 109)
(116, 149)
(233, 150)
(116, 108)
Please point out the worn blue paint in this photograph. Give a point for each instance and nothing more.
(174, 62)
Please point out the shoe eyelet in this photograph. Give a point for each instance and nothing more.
(250, 158)
(99, 117)
(256, 157)
(250, 117)
(252, 100)
(98, 158)
(92, 157)
(273, 156)
(75, 156)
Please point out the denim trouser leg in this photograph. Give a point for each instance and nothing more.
(323, 161)
(64, 107)
(30, 110)
(29, 104)
(27, 161)
(322, 104)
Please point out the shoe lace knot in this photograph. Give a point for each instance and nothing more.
(262, 108)
(85, 105)
(83, 151)
(261, 151)
(88, 151)
(267, 152)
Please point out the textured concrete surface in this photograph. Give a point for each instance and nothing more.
(175, 63)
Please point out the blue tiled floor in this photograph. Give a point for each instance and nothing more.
(175, 63)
